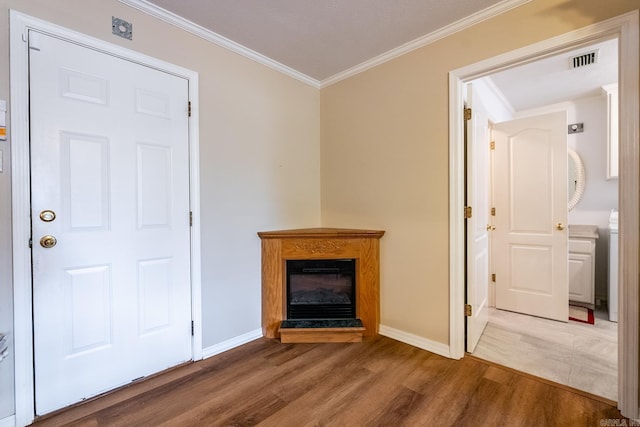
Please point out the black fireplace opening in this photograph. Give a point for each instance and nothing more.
(321, 289)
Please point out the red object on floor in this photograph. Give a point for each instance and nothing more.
(581, 314)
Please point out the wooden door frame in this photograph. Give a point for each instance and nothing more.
(625, 28)
(20, 24)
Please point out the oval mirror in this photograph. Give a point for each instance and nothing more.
(576, 178)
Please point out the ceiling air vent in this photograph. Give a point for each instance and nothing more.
(584, 59)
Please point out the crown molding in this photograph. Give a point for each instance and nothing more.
(491, 86)
(197, 30)
(441, 33)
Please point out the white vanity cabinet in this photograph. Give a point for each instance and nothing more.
(582, 263)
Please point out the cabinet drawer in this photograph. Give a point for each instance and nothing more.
(581, 246)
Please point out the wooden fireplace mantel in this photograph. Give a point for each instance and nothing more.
(320, 243)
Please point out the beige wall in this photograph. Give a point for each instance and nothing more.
(259, 159)
(367, 152)
(385, 153)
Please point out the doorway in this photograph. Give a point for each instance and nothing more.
(626, 28)
(529, 344)
(20, 26)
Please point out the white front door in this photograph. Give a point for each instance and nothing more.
(478, 194)
(530, 240)
(110, 183)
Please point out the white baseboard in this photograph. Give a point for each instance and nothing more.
(8, 421)
(229, 344)
(416, 341)
(396, 334)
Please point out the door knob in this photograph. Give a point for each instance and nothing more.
(491, 227)
(560, 226)
(48, 241)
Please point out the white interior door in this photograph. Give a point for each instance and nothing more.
(530, 240)
(478, 197)
(110, 182)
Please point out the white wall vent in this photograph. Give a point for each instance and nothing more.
(584, 59)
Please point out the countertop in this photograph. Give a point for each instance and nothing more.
(578, 231)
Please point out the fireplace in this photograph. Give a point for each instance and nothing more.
(358, 249)
(321, 289)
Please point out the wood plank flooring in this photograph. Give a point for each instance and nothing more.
(379, 382)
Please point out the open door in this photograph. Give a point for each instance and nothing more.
(478, 226)
(530, 240)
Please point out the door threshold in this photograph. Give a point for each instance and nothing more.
(545, 381)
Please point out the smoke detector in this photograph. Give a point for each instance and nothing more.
(584, 59)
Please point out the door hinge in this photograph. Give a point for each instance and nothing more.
(467, 310)
(493, 211)
(467, 113)
(493, 277)
(190, 219)
(192, 328)
(189, 109)
(467, 212)
(30, 243)
(492, 145)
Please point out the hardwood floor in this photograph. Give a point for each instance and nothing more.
(379, 382)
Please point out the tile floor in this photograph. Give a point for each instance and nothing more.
(577, 354)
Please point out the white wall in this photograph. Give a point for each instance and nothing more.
(6, 282)
(498, 108)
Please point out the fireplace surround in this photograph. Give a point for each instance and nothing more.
(319, 244)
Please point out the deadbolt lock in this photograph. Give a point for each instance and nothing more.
(47, 216)
(48, 241)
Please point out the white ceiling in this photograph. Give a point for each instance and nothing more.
(322, 39)
(552, 80)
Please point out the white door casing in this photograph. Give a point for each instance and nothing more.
(626, 28)
(20, 24)
(109, 156)
(530, 243)
(478, 226)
